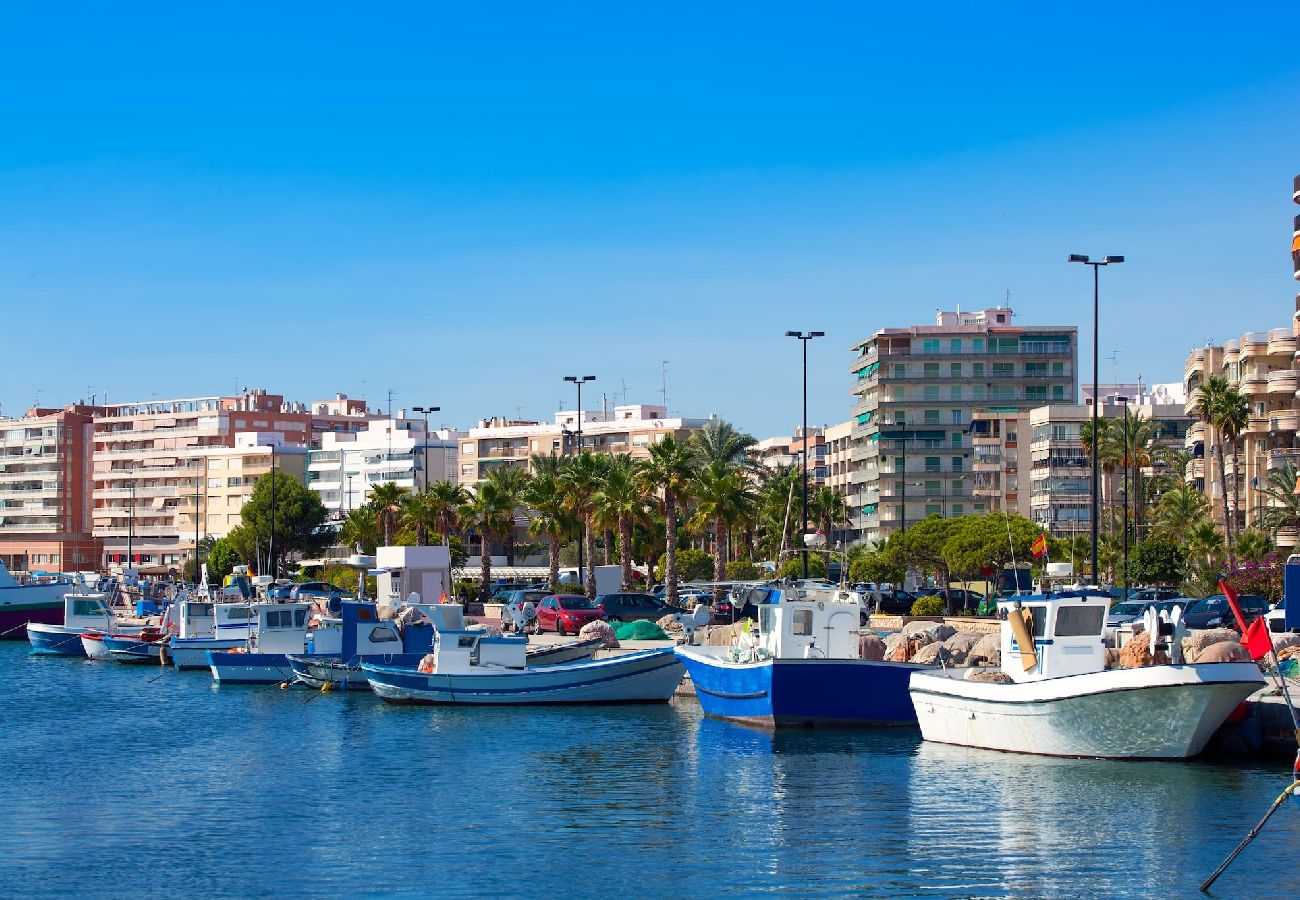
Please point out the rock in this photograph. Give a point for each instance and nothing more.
(997, 676)
(938, 631)
(892, 641)
(1289, 653)
(870, 647)
(987, 651)
(906, 649)
(959, 646)
(1224, 651)
(670, 624)
(1137, 653)
(1199, 639)
(928, 655)
(602, 630)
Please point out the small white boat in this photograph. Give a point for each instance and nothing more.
(1060, 700)
(474, 668)
(281, 630)
(81, 612)
(203, 625)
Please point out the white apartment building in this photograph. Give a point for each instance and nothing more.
(346, 466)
(629, 429)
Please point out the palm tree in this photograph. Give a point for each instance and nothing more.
(388, 499)
(621, 503)
(1233, 417)
(1283, 509)
(1207, 402)
(719, 442)
(549, 518)
(1180, 509)
(491, 512)
(1205, 542)
(670, 472)
(512, 480)
(445, 500)
(828, 509)
(419, 515)
(361, 527)
(1110, 454)
(1253, 545)
(724, 498)
(580, 480)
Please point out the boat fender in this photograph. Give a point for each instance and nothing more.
(1021, 621)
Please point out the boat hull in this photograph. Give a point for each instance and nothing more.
(55, 640)
(648, 676)
(192, 653)
(129, 648)
(14, 615)
(1156, 712)
(558, 654)
(249, 668)
(801, 693)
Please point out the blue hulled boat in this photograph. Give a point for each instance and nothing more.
(801, 667)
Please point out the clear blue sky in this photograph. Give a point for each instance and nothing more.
(465, 204)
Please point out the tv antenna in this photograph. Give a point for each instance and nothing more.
(663, 374)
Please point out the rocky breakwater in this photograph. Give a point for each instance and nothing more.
(930, 643)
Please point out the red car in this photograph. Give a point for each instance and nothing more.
(567, 613)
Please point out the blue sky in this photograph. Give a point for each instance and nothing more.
(465, 204)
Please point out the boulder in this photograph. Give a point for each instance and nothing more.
(959, 646)
(906, 649)
(892, 641)
(870, 647)
(928, 655)
(938, 631)
(1223, 651)
(602, 630)
(1199, 639)
(987, 651)
(997, 676)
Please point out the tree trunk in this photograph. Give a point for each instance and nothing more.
(1236, 485)
(719, 557)
(670, 551)
(1223, 484)
(625, 549)
(591, 558)
(554, 553)
(485, 560)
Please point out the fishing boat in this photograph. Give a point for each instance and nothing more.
(281, 629)
(202, 625)
(148, 646)
(1059, 699)
(32, 603)
(81, 612)
(801, 667)
(338, 645)
(478, 668)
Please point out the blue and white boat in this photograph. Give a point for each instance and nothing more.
(338, 646)
(281, 629)
(477, 668)
(81, 612)
(801, 667)
(203, 625)
(146, 647)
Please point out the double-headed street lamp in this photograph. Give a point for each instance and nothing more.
(1096, 265)
(1123, 402)
(804, 338)
(579, 381)
(424, 456)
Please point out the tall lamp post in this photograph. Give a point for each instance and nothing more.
(803, 339)
(579, 381)
(1095, 511)
(424, 456)
(1123, 402)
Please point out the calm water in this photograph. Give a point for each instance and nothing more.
(121, 786)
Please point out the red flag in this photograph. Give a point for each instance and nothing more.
(1236, 607)
(1039, 547)
(1257, 641)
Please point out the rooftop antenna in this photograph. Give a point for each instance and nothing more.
(1114, 367)
(519, 413)
(663, 373)
(623, 382)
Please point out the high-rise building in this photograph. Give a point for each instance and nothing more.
(917, 389)
(45, 490)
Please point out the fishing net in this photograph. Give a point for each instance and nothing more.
(640, 631)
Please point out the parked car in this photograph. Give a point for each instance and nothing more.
(632, 607)
(960, 598)
(311, 590)
(514, 602)
(1151, 595)
(1214, 612)
(280, 590)
(1276, 617)
(1127, 611)
(566, 613)
(897, 602)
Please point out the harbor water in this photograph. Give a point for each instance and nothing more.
(142, 781)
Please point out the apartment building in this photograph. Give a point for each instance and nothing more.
(786, 450)
(1060, 470)
(45, 490)
(1262, 366)
(1295, 234)
(629, 429)
(151, 464)
(839, 469)
(917, 389)
(229, 475)
(345, 466)
(999, 461)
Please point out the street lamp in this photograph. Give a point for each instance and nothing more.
(803, 339)
(350, 476)
(424, 456)
(1095, 511)
(1123, 402)
(579, 381)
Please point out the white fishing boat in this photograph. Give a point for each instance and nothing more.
(475, 668)
(81, 612)
(281, 629)
(1059, 699)
(203, 625)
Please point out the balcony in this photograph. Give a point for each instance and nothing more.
(1284, 420)
(1254, 384)
(1282, 342)
(1279, 459)
(1283, 381)
(503, 453)
(1253, 344)
(1231, 351)
(1195, 434)
(1257, 425)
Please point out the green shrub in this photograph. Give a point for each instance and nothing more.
(928, 606)
(743, 570)
(692, 565)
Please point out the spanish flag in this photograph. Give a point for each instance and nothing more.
(1039, 546)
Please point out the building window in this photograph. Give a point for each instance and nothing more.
(1058, 368)
(956, 463)
(234, 481)
(467, 448)
(931, 392)
(1058, 393)
(900, 370)
(931, 370)
(214, 482)
(215, 463)
(977, 345)
(957, 509)
(977, 392)
(930, 345)
(932, 464)
(932, 509)
(954, 393)
(956, 416)
(955, 345)
(931, 417)
(955, 370)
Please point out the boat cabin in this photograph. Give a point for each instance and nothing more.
(461, 652)
(1066, 633)
(234, 620)
(357, 631)
(88, 611)
(281, 627)
(195, 618)
(810, 623)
